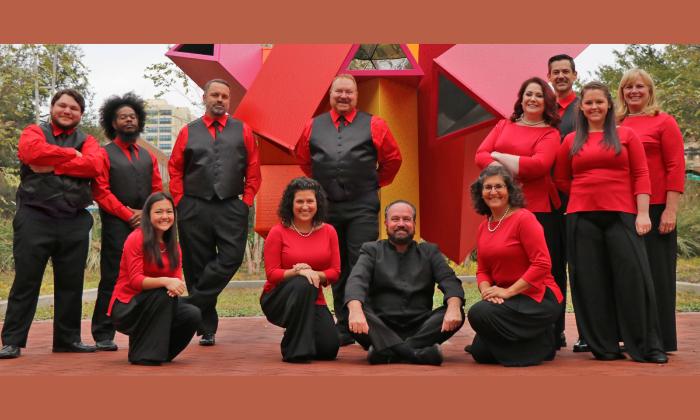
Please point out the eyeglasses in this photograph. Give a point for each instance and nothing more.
(496, 187)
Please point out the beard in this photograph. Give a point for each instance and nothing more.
(128, 137)
(404, 240)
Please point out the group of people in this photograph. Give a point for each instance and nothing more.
(560, 183)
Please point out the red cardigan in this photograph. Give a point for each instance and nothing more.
(516, 250)
(284, 247)
(133, 268)
(537, 148)
(597, 179)
(663, 145)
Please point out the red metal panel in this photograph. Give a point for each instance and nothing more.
(289, 88)
(275, 179)
(493, 72)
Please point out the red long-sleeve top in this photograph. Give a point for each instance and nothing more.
(33, 149)
(388, 154)
(133, 269)
(284, 247)
(663, 145)
(102, 192)
(516, 250)
(598, 179)
(176, 164)
(537, 148)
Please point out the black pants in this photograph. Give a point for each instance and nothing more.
(114, 234)
(309, 328)
(662, 251)
(611, 284)
(213, 236)
(159, 326)
(518, 332)
(356, 222)
(37, 238)
(418, 333)
(554, 235)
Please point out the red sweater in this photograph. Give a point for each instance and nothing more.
(537, 148)
(388, 154)
(516, 250)
(284, 247)
(133, 268)
(663, 144)
(597, 179)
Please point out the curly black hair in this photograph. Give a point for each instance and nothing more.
(108, 111)
(285, 211)
(515, 192)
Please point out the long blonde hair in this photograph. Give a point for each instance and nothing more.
(630, 76)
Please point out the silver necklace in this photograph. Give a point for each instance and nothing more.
(303, 235)
(529, 123)
(488, 225)
(636, 114)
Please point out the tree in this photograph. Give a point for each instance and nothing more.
(675, 69)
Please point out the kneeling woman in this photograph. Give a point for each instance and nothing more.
(145, 304)
(514, 323)
(301, 257)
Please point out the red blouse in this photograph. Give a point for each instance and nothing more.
(516, 250)
(537, 148)
(133, 268)
(597, 179)
(284, 247)
(663, 145)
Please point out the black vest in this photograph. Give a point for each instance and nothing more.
(215, 168)
(345, 162)
(130, 181)
(55, 195)
(568, 120)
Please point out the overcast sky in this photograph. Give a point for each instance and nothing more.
(119, 68)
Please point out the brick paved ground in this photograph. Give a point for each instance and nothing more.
(250, 346)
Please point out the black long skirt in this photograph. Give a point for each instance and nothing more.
(662, 251)
(518, 332)
(310, 332)
(159, 326)
(611, 285)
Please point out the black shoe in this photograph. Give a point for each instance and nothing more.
(429, 355)
(208, 339)
(581, 346)
(10, 351)
(375, 357)
(561, 342)
(468, 348)
(345, 339)
(106, 345)
(656, 357)
(623, 348)
(607, 357)
(145, 362)
(77, 347)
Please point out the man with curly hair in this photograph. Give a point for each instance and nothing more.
(129, 175)
(57, 161)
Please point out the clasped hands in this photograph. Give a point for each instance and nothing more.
(311, 275)
(495, 294)
(174, 286)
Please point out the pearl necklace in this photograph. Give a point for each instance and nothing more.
(529, 123)
(636, 114)
(303, 235)
(488, 225)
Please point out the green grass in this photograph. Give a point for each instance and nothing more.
(688, 269)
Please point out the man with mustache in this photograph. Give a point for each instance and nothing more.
(57, 161)
(214, 176)
(129, 175)
(389, 295)
(352, 154)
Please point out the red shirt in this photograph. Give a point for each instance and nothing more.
(663, 145)
(516, 250)
(284, 247)
(597, 179)
(101, 191)
(388, 154)
(176, 164)
(537, 148)
(33, 149)
(565, 102)
(134, 268)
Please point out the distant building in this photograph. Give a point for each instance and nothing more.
(163, 122)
